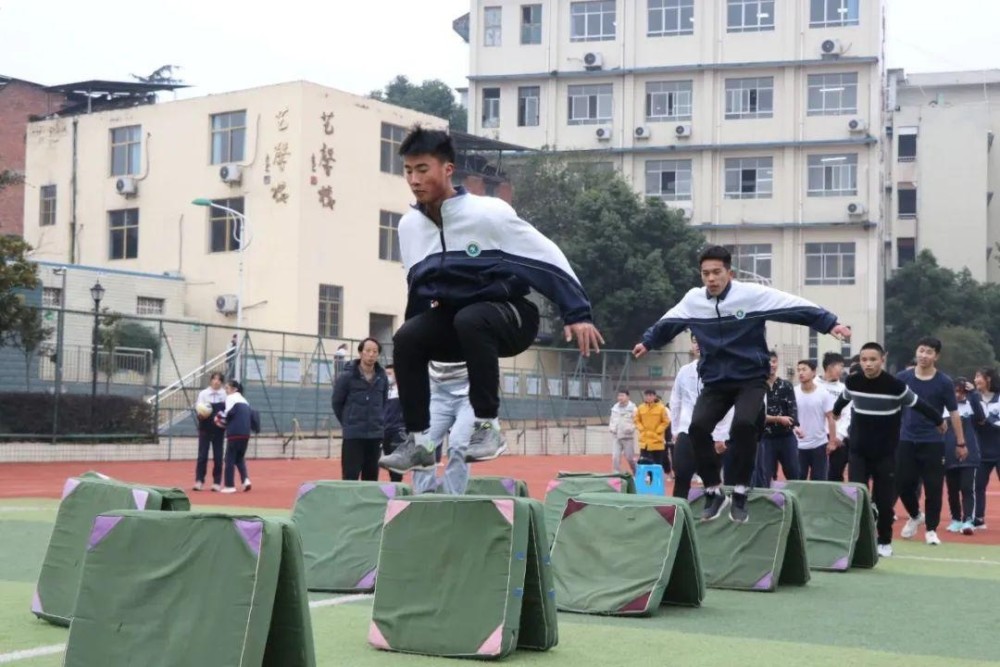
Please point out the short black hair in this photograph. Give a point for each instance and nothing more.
(221, 377)
(872, 345)
(831, 358)
(361, 345)
(623, 391)
(389, 367)
(931, 342)
(421, 141)
(716, 252)
(807, 362)
(650, 392)
(772, 354)
(236, 385)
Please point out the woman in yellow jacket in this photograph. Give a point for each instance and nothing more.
(651, 421)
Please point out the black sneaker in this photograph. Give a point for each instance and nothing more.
(715, 503)
(738, 509)
(408, 456)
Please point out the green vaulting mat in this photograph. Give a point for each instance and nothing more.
(624, 554)
(83, 498)
(569, 484)
(758, 555)
(838, 522)
(181, 589)
(341, 526)
(463, 576)
(497, 486)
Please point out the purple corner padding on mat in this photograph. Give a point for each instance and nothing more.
(765, 582)
(304, 489)
(140, 496)
(778, 484)
(389, 490)
(252, 533)
(102, 526)
(850, 491)
(841, 564)
(70, 484)
(36, 604)
(778, 499)
(695, 494)
(509, 484)
(368, 581)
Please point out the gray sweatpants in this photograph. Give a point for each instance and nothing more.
(452, 416)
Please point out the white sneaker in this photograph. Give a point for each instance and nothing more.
(246, 485)
(216, 488)
(228, 489)
(695, 479)
(910, 529)
(884, 550)
(931, 538)
(197, 486)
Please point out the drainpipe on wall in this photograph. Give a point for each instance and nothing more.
(72, 220)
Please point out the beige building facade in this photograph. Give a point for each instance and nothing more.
(761, 119)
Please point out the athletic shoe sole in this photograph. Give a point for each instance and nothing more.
(400, 470)
(495, 455)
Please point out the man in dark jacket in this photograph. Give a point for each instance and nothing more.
(359, 399)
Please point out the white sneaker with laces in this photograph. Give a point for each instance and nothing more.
(228, 489)
(247, 485)
(912, 524)
(216, 488)
(884, 550)
(197, 486)
(931, 538)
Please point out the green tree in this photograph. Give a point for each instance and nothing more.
(433, 97)
(964, 350)
(29, 332)
(17, 274)
(9, 177)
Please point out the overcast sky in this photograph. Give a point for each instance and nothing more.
(355, 46)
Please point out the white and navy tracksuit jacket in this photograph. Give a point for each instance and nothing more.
(483, 252)
(730, 328)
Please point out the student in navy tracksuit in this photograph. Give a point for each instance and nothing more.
(988, 436)
(960, 473)
(237, 419)
(470, 264)
(728, 318)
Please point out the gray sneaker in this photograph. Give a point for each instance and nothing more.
(408, 456)
(486, 443)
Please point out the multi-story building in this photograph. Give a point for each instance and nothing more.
(944, 169)
(760, 119)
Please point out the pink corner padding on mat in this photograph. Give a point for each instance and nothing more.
(492, 644)
(552, 484)
(376, 638)
(616, 483)
(506, 508)
(393, 508)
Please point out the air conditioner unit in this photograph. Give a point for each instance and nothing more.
(593, 60)
(126, 186)
(832, 47)
(641, 132)
(686, 211)
(226, 304)
(857, 125)
(230, 173)
(856, 209)
(683, 130)
(603, 133)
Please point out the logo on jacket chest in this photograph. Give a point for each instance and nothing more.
(473, 249)
(739, 314)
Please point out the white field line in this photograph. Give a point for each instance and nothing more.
(970, 561)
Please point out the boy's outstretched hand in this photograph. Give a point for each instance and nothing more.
(587, 337)
(639, 350)
(841, 332)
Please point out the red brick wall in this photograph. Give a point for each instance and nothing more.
(18, 101)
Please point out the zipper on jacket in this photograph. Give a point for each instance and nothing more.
(718, 318)
(444, 248)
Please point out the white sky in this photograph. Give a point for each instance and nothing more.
(355, 46)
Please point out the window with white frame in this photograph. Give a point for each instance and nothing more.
(531, 24)
(46, 206)
(331, 300)
(749, 177)
(390, 160)
(749, 15)
(906, 138)
(833, 175)
(670, 180)
(670, 17)
(126, 150)
(590, 104)
(527, 105)
(830, 263)
(592, 21)
(833, 13)
(148, 305)
(833, 94)
(492, 25)
(750, 98)
(491, 107)
(813, 352)
(668, 101)
(751, 260)
(229, 136)
(388, 236)
(52, 297)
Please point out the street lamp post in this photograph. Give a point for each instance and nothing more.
(242, 236)
(96, 293)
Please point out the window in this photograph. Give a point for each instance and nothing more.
(670, 17)
(832, 13)
(47, 206)
(491, 107)
(813, 346)
(833, 175)
(531, 24)
(492, 22)
(126, 150)
(392, 137)
(670, 180)
(589, 104)
(668, 101)
(906, 251)
(749, 177)
(388, 236)
(229, 131)
(750, 98)
(527, 106)
(147, 305)
(833, 94)
(124, 228)
(907, 151)
(592, 21)
(750, 15)
(223, 227)
(907, 202)
(752, 261)
(52, 297)
(330, 302)
(829, 263)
